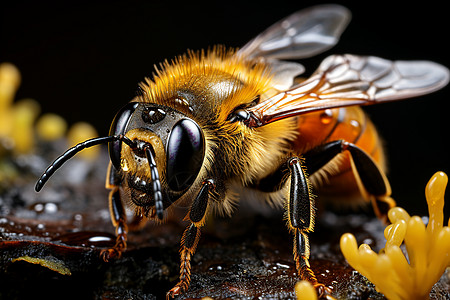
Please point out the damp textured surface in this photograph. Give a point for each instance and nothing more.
(50, 244)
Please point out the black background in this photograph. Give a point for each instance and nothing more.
(83, 60)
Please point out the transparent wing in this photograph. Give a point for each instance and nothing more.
(344, 80)
(283, 73)
(300, 35)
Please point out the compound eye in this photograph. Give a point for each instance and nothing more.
(119, 126)
(153, 115)
(185, 152)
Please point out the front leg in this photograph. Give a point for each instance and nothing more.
(191, 236)
(301, 221)
(118, 215)
(119, 220)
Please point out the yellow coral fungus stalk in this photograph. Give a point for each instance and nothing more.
(428, 249)
(9, 83)
(305, 291)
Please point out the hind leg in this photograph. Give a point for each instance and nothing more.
(370, 178)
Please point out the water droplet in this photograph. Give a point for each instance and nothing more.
(326, 116)
(368, 241)
(96, 239)
(38, 207)
(87, 238)
(356, 126)
(51, 208)
(215, 268)
(284, 266)
(45, 207)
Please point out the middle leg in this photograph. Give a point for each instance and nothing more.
(301, 212)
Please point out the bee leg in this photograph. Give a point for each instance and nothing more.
(191, 236)
(118, 216)
(301, 222)
(373, 179)
(119, 221)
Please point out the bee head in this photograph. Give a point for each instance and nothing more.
(174, 142)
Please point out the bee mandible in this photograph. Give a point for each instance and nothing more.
(212, 127)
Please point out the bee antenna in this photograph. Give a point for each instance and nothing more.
(74, 150)
(156, 184)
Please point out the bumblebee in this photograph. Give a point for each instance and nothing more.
(212, 127)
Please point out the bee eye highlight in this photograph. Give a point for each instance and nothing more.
(153, 115)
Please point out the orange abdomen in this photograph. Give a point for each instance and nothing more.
(350, 124)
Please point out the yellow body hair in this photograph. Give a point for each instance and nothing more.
(233, 79)
(207, 86)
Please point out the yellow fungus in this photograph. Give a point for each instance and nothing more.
(24, 114)
(428, 249)
(435, 195)
(398, 213)
(9, 82)
(49, 262)
(18, 126)
(79, 132)
(51, 127)
(10, 74)
(395, 233)
(305, 291)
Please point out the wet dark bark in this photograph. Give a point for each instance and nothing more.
(45, 236)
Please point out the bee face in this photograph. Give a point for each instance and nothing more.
(175, 140)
